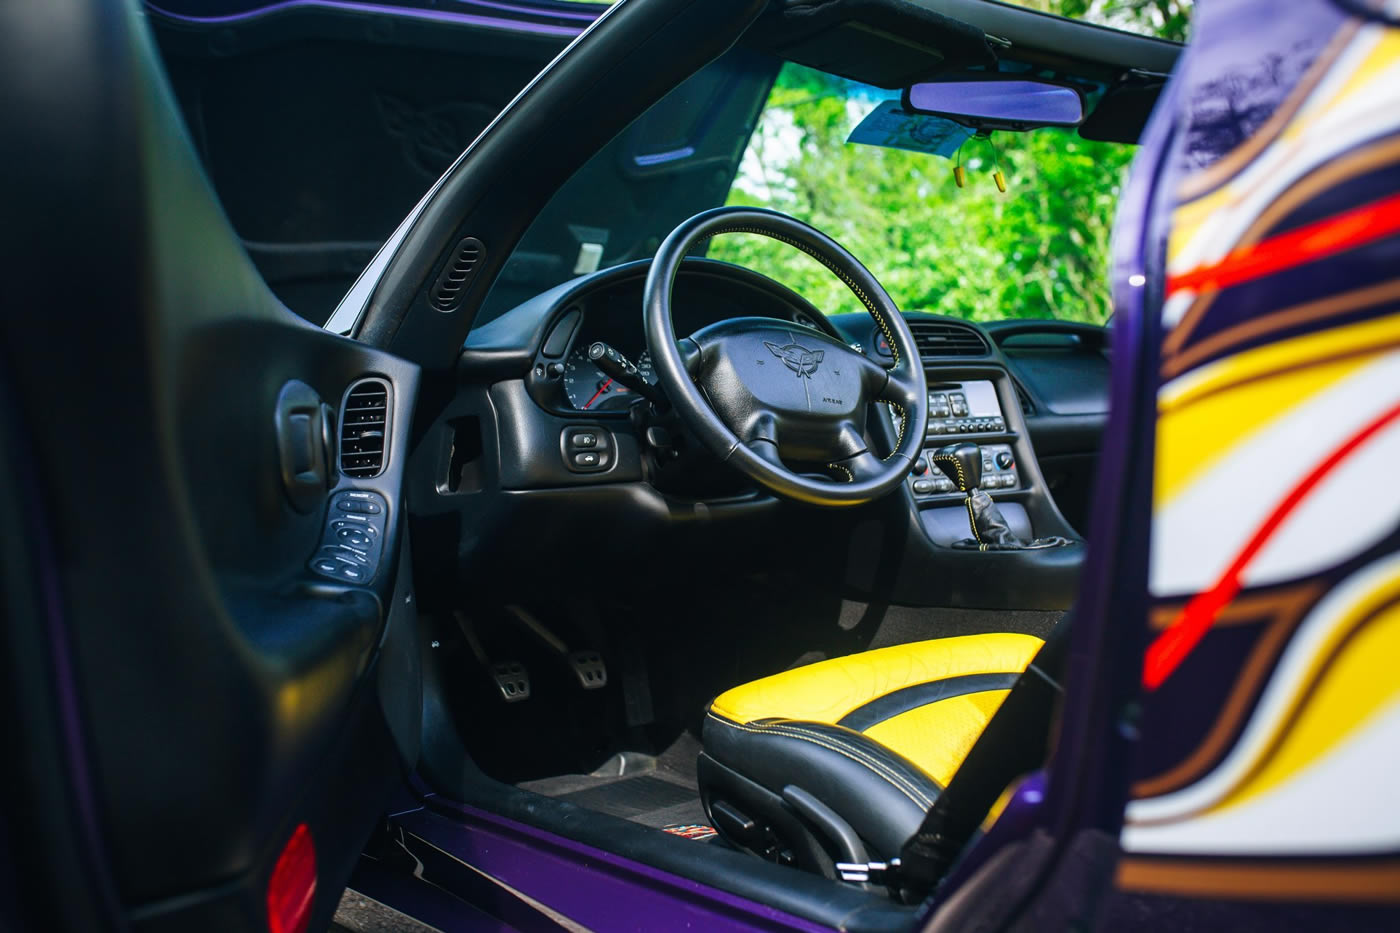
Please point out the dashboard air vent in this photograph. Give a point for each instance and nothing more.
(1027, 408)
(447, 293)
(944, 338)
(364, 428)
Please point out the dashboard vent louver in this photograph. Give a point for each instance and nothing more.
(450, 286)
(1026, 407)
(364, 428)
(940, 338)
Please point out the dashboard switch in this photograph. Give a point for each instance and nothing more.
(587, 449)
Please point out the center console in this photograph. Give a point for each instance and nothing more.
(927, 560)
(965, 411)
(977, 405)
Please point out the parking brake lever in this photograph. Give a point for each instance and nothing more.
(622, 371)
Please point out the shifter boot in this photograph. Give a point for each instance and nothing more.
(963, 465)
(989, 526)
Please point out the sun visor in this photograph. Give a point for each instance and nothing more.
(1122, 112)
(885, 43)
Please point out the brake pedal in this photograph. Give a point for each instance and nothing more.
(512, 680)
(510, 677)
(589, 668)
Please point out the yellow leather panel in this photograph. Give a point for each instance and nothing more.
(828, 690)
(937, 737)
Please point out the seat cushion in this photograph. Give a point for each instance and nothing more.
(926, 702)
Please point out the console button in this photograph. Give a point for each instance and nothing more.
(344, 554)
(1004, 460)
(923, 487)
(920, 467)
(584, 439)
(353, 537)
(586, 459)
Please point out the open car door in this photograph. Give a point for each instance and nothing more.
(321, 125)
(210, 660)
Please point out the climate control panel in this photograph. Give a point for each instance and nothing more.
(998, 472)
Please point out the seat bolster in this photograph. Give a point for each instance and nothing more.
(879, 792)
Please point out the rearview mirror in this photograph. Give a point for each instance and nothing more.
(997, 102)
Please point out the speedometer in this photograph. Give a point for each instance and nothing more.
(590, 389)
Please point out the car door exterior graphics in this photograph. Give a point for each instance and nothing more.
(1271, 727)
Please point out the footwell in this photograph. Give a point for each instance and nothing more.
(659, 791)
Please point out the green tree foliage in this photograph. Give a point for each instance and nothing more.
(1039, 250)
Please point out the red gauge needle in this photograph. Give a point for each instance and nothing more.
(601, 389)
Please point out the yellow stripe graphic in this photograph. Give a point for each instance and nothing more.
(1358, 684)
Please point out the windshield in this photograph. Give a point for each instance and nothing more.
(1040, 249)
(1165, 19)
(745, 131)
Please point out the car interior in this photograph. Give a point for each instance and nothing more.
(406, 467)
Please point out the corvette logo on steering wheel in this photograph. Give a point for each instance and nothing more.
(797, 358)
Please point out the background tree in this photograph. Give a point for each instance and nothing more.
(1039, 250)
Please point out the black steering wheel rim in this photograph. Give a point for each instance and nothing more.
(901, 385)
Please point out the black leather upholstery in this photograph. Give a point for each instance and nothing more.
(879, 792)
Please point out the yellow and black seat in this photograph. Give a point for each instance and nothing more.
(842, 759)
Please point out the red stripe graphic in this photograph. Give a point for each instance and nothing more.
(1172, 646)
(1345, 231)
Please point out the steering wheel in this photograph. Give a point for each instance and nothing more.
(761, 392)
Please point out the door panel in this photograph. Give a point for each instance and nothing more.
(207, 690)
(321, 126)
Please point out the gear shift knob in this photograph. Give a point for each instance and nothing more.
(962, 463)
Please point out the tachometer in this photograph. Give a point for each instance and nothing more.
(589, 389)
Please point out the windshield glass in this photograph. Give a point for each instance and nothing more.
(746, 132)
(1166, 19)
(1040, 249)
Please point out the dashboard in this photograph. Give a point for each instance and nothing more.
(564, 323)
(538, 442)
